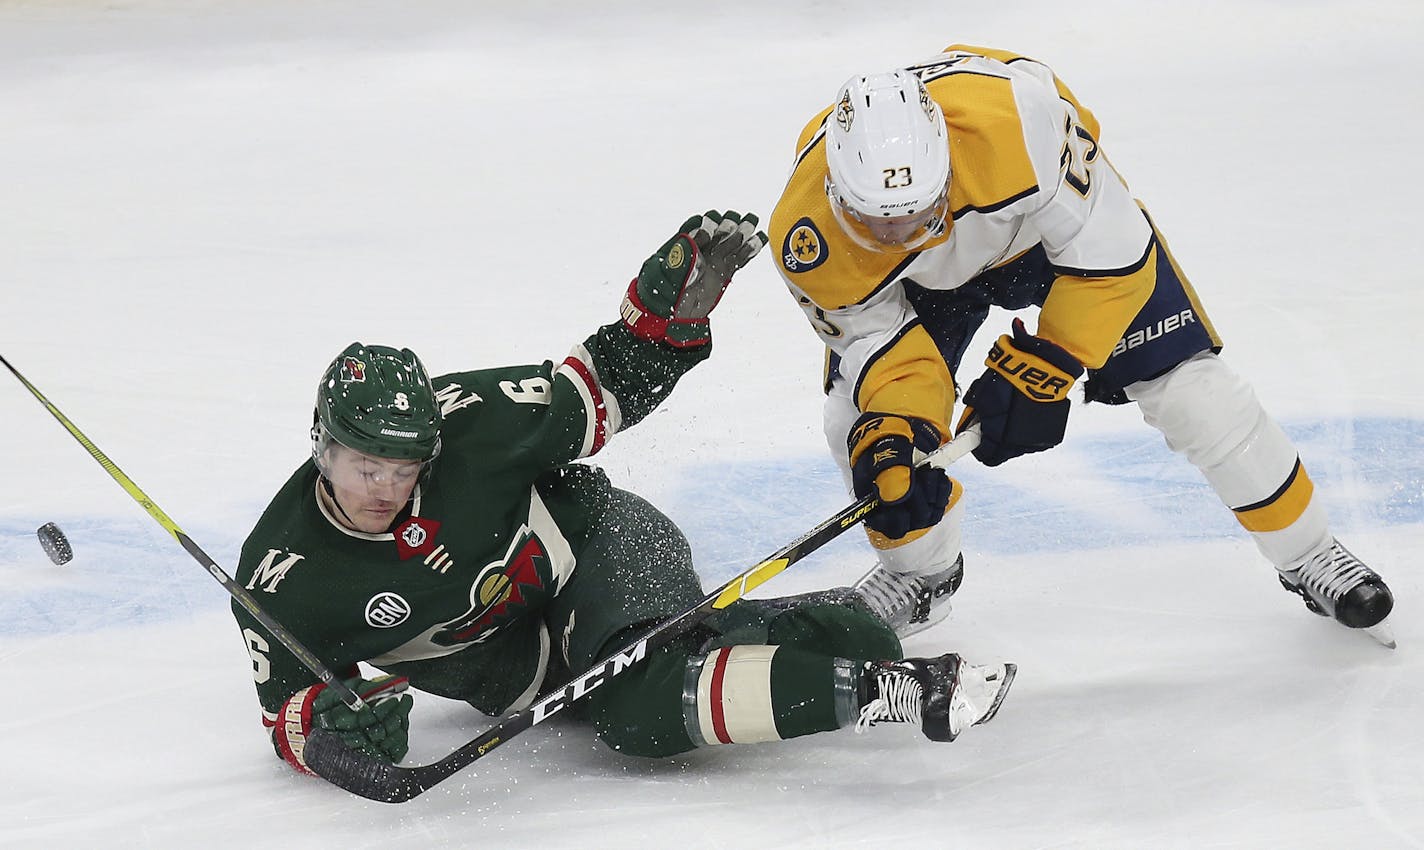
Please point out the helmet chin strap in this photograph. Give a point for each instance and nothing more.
(331, 494)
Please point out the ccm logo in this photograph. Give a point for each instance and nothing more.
(1033, 381)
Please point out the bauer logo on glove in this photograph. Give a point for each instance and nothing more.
(1021, 400)
(1031, 375)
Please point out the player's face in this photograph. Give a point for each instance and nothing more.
(371, 490)
(897, 230)
(892, 234)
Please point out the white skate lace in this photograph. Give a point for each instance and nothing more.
(1332, 571)
(889, 592)
(900, 701)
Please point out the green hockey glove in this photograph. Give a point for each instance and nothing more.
(381, 729)
(678, 286)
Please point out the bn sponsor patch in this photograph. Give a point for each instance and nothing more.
(386, 610)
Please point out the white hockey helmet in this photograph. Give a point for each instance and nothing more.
(888, 151)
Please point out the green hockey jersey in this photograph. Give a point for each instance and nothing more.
(451, 595)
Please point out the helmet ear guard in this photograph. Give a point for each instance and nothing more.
(379, 401)
(887, 152)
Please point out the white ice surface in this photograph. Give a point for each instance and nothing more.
(203, 201)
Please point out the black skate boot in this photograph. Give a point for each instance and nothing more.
(1334, 583)
(907, 602)
(943, 695)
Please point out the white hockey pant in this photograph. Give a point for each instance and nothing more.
(1211, 415)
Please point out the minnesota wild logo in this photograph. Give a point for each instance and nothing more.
(503, 591)
(353, 371)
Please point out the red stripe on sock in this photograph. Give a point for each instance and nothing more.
(719, 715)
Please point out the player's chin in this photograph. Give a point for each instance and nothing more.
(375, 521)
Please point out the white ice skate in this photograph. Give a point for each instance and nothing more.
(907, 602)
(1334, 583)
(943, 696)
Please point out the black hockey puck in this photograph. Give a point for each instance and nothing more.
(55, 544)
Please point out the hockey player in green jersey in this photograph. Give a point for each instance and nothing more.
(443, 534)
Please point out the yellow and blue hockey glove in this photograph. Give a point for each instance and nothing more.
(1021, 400)
(381, 729)
(882, 460)
(678, 286)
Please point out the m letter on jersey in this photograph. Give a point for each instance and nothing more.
(269, 573)
(450, 400)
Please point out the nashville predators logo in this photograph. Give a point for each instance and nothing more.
(845, 113)
(804, 248)
(927, 104)
(502, 592)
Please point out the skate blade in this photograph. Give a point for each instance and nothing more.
(937, 616)
(1382, 632)
(1009, 672)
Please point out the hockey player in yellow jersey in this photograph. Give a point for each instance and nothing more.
(923, 196)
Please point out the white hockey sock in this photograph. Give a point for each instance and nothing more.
(1210, 414)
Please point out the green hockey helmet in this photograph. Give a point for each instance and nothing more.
(377, 400)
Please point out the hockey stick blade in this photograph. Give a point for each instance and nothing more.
(361, 774)
(327, 755)
(236, 591)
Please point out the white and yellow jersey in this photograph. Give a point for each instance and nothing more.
(1025, 170)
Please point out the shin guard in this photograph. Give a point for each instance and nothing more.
(1211, 415)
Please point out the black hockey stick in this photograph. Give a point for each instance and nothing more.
(333, 760)
(237, 592)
